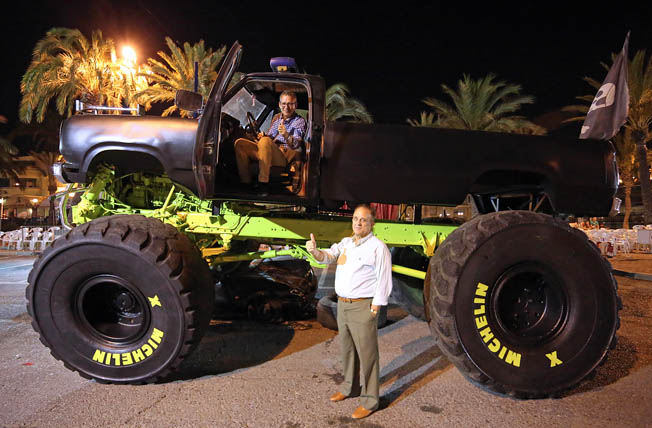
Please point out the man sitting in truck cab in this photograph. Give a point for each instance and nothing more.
(282, 143)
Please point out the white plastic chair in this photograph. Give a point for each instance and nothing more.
(47, 237)
(644, 240)
(6, 236)
(33, 238)
(622, 245)
(16, 239)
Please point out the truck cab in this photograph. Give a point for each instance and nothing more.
(241, 110)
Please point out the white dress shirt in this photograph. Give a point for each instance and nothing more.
(364, 269)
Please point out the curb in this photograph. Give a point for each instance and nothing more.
(635, 275)
(18, 253)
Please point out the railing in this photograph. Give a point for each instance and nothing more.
(86, 108)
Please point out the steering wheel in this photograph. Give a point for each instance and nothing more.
(252, 123)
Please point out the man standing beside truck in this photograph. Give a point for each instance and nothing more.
(281, 144)
(363, 282)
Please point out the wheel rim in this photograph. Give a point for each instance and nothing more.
(529, 304)
(112, 309)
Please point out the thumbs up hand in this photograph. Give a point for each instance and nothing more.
(311, 245)
(282, 130)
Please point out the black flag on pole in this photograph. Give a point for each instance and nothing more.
(609, 108)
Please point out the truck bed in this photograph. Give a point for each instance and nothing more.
(404, 164)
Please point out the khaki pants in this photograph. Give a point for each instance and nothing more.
(266, 152)
(358, 331)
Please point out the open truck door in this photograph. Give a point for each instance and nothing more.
(208, 135)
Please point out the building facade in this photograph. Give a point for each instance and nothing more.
(27, 196)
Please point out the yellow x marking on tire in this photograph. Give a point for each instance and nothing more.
(154, 301)
(554, 361)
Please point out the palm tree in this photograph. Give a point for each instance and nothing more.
(483, 105)
(639, 81)
(340, 105)
(5, 145)
(8, 165)
(178, 72)
(45, 138)
(625, 155)
(43, 162)
(67, 66)
(8, 152)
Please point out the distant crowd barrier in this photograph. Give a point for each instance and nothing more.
(30, 238)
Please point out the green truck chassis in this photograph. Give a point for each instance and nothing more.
(214, 232)
(521, 303)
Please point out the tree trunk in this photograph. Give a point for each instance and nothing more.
(628, 206)
(627, 177)
(52, 189)
(644, 174)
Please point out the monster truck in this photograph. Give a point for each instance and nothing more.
(519, 302)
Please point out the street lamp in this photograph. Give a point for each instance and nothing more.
(34, 209)
(2, 209)
(131, 70)
(129, 55)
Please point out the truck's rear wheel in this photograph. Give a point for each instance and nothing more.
(521, 303)
(121, 299)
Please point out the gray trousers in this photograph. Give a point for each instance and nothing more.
(358, 331)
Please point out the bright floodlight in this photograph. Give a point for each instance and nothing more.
(129, 55)
(34, 200)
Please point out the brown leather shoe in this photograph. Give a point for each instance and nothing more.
(361, 412)
(338, 396)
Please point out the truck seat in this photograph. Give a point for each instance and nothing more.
(288, 177)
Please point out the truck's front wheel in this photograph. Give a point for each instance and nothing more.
(521, 303)
(121, 299)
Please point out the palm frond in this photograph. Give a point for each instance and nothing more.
(340, 105)
(426, 120)
(480, 104)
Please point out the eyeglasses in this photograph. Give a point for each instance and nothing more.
(287, 104)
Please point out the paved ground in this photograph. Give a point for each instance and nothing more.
(282, 376)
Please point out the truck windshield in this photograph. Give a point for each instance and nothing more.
(241, 103)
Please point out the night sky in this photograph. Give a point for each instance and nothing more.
(391, 58)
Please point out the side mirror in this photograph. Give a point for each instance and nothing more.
(188, 100)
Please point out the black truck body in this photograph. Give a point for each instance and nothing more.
(343, 161)
(399, 164)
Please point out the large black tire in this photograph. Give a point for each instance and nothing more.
(521, 303)
(407, 290)
(121, 299)
(327, 312)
